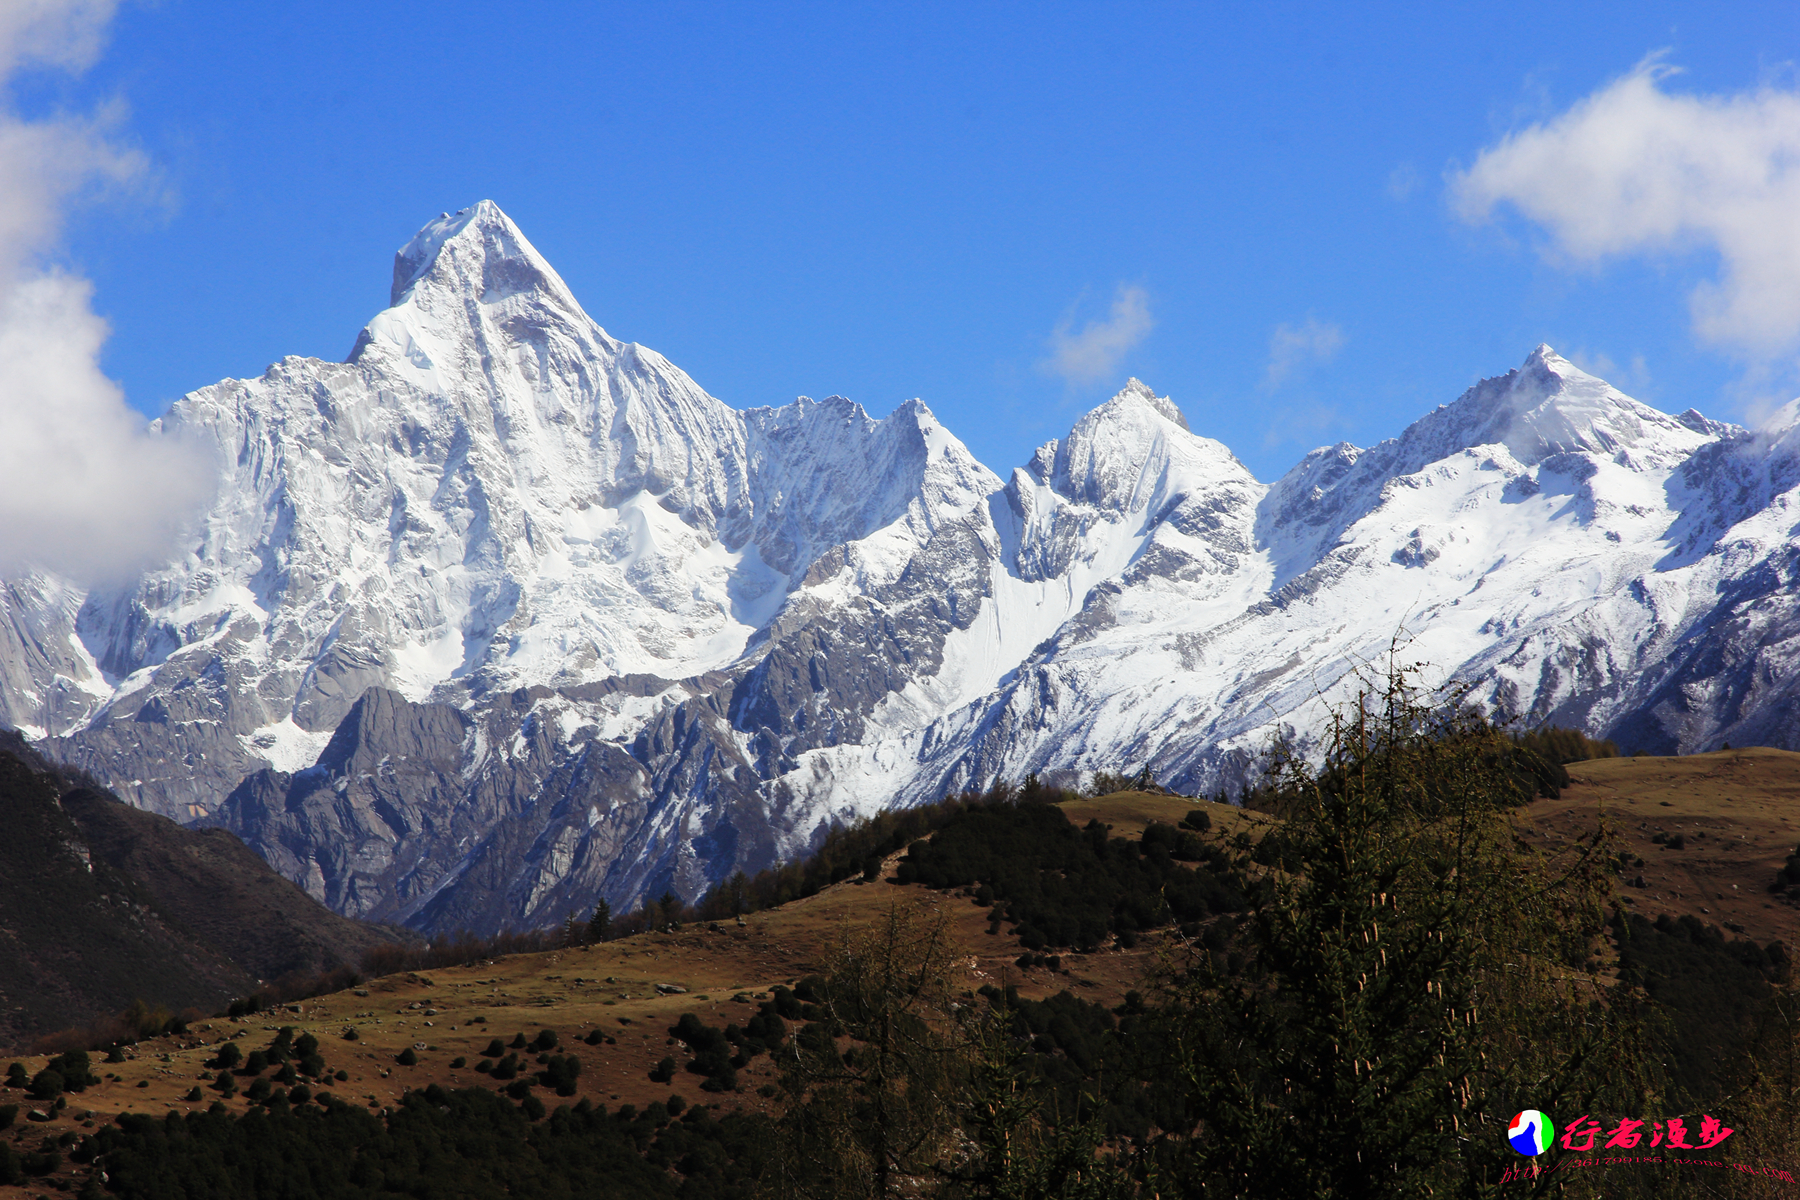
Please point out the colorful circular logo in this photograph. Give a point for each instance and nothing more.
(1530, 1132)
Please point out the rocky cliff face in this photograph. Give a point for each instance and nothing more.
(503, 615)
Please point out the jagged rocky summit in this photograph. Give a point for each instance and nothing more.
(503, 615)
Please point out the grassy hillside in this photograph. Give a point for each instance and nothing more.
(615, 1008)
(1736, 813)
(633, 991)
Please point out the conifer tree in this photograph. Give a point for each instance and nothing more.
(1409, 982)
(600, 924)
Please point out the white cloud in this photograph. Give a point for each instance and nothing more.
(1095, 353)
(1294, 346)
(1634, 168)
(85, 490)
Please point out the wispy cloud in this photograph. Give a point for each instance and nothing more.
(1634, 168)
(1301, 424)
(1402, 181)
(1293, 347)
(1093, 354)
(85, 491)
(1632, 376)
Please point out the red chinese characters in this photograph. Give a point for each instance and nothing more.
(1672, 1134)
(1625, 1136)
(1574, 1129)
(1677, 1134)
(1712, 1132)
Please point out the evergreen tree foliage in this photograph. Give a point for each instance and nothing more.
(1065, 887)
(600, 924)
(1559, 745)
(1410, 983)
(457, 1145)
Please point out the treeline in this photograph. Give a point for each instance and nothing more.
(1523, 765)
(463, 949)
(436, 1142)
(858, 849)
(1063, 887)
(1562, 746)
(136, 1023)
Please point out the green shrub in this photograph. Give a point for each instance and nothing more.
(42, 1162)
(560, 1073)
(74, 1069)
(407, 1058)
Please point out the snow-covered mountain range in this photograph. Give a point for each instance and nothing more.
(502, 614)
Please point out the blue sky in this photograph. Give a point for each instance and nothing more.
(907, 200)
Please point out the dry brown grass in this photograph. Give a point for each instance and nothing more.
(610, 987)
(1743, 804)
(1127, 813)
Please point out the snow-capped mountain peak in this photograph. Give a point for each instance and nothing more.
(1545, 408)
(1131, 451)
(1549, 406)
(466, 287)
(591, 632)
(478, 242)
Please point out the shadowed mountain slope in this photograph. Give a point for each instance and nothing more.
(102, 904)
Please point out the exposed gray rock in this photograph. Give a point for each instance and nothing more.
(503, 615)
